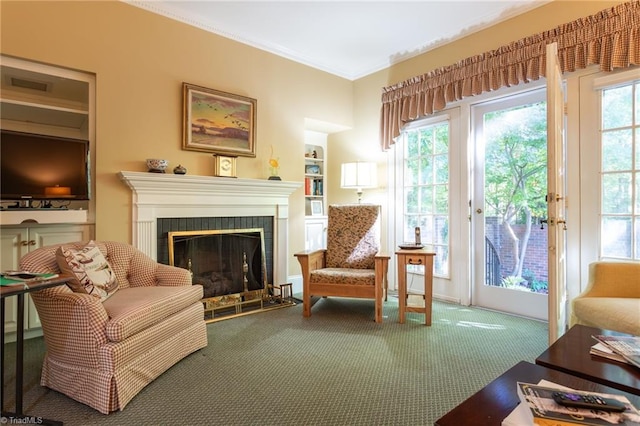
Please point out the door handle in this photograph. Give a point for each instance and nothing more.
(479, 211)
(552, 222)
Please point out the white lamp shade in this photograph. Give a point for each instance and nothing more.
(359, 175)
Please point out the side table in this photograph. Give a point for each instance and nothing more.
(570, 354)
(422, 257)
(491, 404)
(19, 289)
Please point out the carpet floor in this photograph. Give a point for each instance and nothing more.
(336, 368)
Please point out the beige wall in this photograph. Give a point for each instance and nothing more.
(141, 59)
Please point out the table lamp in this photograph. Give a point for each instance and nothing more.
(358, 175)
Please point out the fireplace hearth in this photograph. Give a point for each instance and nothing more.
(233, 264)
(230, 266)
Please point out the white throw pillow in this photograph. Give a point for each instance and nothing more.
(91, 272)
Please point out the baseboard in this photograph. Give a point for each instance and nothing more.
(445, 298)
(10, 337)
(296, 280)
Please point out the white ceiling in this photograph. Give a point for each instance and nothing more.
(350, 39)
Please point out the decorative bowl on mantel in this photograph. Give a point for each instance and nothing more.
(156, 165)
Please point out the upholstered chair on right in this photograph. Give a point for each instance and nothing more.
(611, 300)
(352, 264)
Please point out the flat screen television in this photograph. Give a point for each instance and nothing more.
(41, 167)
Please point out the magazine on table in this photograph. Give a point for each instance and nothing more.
(626, 346)
(538, 407)
(602, 350)
(26, 276)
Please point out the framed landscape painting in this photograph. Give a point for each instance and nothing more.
(218, 122)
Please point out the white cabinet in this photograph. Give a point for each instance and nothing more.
(15, 242)
(315, 233)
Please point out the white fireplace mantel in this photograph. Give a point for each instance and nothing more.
(157, 195)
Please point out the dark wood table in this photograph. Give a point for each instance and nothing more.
(19, 290)
(490, 405)
(570, 354)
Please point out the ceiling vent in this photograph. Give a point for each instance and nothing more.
(30, 84)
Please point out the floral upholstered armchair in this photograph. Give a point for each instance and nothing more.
(351, 265)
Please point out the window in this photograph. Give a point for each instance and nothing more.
(425, 182)
(620, 172)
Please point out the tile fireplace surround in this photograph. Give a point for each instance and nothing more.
(156, 195)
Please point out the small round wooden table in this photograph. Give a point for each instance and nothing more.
(422, 257)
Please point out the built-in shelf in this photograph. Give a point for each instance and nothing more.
(314, 175)
(42, 216)
(27, 112)
(315, 199)
(49, 100)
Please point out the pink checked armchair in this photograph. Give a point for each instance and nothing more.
(103, 353)
(351, 265)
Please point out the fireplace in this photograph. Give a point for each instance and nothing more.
(231, 267)
(204, 225)
(158, 197)
(224, 262)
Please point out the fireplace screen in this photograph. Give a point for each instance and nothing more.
(229, 264)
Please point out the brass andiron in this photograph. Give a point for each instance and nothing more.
(245, 269)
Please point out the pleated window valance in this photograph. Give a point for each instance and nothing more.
(610, 38)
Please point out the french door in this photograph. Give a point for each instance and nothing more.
(508, 209)
(556, 197)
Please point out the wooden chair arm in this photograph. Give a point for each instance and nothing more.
(311, 260)
(311, 253)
